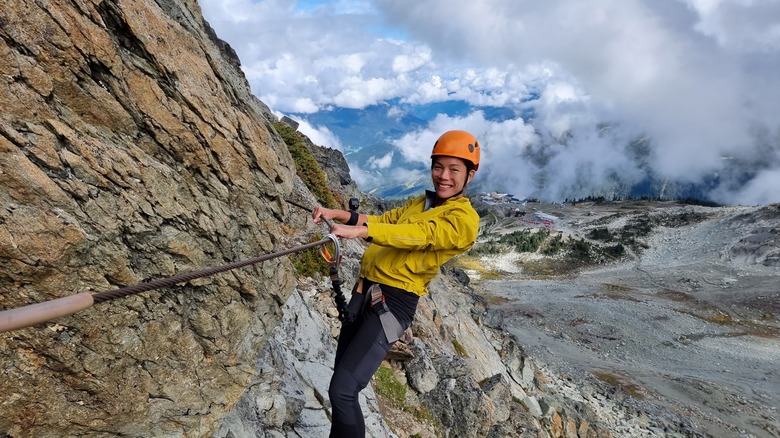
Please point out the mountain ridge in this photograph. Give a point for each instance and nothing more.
(368, 134)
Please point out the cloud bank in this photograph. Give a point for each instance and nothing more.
(605, 92)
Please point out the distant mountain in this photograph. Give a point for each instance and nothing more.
(367, 136)
(367, 133)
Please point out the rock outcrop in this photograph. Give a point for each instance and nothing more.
(465, 377)
(132, 148)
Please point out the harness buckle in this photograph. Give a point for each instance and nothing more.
(390, 325)
(378, 299)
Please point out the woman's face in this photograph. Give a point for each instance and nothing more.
(449, 175)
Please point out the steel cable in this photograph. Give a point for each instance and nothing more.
(170, 281)
(26, 316)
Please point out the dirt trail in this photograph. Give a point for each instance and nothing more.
(691, 327)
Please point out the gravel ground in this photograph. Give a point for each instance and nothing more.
(691, 326)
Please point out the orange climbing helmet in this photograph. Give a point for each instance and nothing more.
(459, 144)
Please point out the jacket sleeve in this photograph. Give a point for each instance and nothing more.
(456, 230)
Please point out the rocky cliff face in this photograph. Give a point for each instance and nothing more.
(132, 148)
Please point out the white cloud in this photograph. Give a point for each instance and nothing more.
(380, 163)
(405, 63)
(644, 62)
(760, 190)
(359, 93)
(320, 135)
(501, 142)
(514, 158)
(395, 112)
(426, 92)
(361, 177)
(699, 77)
(563, 107)
(304, 105)
(743, 25)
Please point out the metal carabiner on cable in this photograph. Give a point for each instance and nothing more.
(334, 262)
(335, 258)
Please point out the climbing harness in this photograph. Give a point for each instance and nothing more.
(26, 316)
(392, 328)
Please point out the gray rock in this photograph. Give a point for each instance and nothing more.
(461, 407)
(451, 366)
(497, 388)
(420, 371)
(533, 407)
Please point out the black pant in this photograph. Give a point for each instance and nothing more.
(361, 348)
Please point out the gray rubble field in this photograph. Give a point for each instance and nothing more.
(687, 326)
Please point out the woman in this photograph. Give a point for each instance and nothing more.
(409, 245)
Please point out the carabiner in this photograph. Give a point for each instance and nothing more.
(335, 258)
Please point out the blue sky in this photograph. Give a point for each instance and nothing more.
(692, 83)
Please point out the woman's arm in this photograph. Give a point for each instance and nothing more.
(342, 216)
(349, 231)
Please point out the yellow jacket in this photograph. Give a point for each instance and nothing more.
(410, 243)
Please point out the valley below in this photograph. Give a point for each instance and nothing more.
(684, 324)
